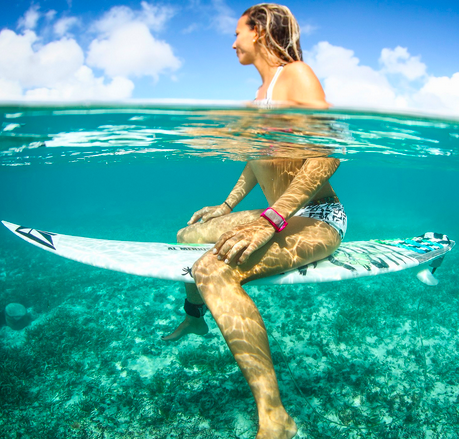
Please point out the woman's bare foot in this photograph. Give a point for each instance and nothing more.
(277, 425)
(191, 325)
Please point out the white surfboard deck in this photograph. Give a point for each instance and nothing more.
(174, 261)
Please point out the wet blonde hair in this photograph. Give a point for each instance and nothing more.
(279, 31)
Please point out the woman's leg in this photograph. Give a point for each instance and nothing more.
(200, 233)
(305, 240)
(210, 231)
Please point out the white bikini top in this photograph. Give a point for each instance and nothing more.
(268, 100)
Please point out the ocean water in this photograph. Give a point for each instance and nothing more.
(368, 358)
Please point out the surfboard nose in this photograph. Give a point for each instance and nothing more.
(10, 226)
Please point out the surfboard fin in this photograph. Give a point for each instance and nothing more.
(426, 276)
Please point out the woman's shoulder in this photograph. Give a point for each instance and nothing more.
(299, 70)
(301, 85)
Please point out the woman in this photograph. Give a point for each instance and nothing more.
(304, 223)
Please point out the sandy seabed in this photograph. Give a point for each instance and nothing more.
(369, 358)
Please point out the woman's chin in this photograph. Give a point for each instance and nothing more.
(244, 61)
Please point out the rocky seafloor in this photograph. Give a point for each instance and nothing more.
(369, 358)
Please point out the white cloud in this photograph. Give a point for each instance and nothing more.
(30, 18)
(345, 81)
(191, 28)
(224, 21)
(51, 63)
(400, 61)
(131, 50)
(154, 17)
(49, 16)
(439, 94)
(123, 46)
(308, 29)
(51, 71)
(63, 26)
(348, 83)
(10, 90)
(83, 85)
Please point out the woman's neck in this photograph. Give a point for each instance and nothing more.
(266, 71)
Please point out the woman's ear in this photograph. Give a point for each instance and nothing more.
(258, 35)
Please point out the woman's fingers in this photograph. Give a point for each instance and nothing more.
(206, 214)
(202, 214)
(247, 253)
(221, 241)
(230, 248)
(209, 215)
(196, 216)
(240, 249)
(194, 219)
(239, 244)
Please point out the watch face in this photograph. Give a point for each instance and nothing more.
(273, 216)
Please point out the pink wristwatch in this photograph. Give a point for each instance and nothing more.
(275, 219)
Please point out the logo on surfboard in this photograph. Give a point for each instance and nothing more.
(43, 238)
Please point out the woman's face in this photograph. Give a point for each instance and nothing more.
(245, 43)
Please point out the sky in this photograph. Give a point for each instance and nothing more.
(382, 54)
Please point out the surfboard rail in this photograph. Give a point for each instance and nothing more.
(174, 261)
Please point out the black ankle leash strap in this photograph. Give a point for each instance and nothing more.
(194, 310)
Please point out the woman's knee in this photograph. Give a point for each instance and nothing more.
(189, 235)
(182, 235)
(208, 271)
(203, 268)
(198, 233)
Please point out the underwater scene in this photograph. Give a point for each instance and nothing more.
(81, 354)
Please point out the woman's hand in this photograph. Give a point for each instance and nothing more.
(239, 243)
(207, 213)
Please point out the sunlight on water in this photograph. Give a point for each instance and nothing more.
(367, 358)
(68, 135)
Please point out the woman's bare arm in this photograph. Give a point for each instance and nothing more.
(244, 185)
(314, 173)
(247, 181)
(246, 239)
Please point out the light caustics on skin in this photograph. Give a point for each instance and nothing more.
(239, 320)
(219, 277)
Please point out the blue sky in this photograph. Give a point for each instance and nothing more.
(378, 54)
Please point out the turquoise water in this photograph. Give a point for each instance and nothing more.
(357, 359)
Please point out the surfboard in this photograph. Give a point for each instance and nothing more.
(174, 261)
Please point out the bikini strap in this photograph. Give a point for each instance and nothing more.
(269, 93)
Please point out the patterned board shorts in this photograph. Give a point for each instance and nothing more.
(330, 213)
